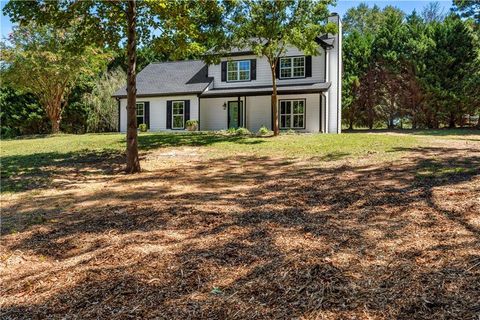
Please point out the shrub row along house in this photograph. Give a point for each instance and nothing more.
(237, 91)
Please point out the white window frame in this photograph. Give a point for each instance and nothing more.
(291, 68)
(292, 114)
(177, 115)
(143, 112)
(237, 72)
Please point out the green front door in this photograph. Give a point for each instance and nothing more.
(234, 114)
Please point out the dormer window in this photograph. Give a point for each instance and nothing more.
(238, 70)
(292, 67)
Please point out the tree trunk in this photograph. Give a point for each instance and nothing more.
(133, 162)
(55, 126)
(451, 123)
(54, 112)
(275, 128)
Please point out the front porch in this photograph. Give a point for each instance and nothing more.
(298, 111)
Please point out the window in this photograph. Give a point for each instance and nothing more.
(238, 70)
(140, 113)
(292, 114)
(292, 67)
(178, 114)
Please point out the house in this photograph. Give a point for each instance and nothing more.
(237, 92)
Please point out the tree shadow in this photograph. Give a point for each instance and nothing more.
(154, 141)
(276, 238)
(56, 169)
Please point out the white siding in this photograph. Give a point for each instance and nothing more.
(212, 114)
(258, 112)
(334, 70)
(158, 111)
(264, 74)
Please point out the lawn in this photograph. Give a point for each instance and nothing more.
(35, 162)
(351, 226)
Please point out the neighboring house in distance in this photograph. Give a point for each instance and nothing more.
(237, 92)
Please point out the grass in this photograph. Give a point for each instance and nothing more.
(356, 226)
(31, 163)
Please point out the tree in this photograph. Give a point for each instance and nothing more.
(21, 114)
(362, 19)
(43, 60)
(448, 67)
(468, 8)
(103, 112)
(357, 53)
(181, 25)
(269, 26)
(433, 12)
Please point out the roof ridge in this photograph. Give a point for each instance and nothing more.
(177, 61)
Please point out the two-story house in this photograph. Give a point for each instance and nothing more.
(237, 91)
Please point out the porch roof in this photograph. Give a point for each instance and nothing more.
(267, 90)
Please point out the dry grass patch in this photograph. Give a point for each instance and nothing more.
(247, 236)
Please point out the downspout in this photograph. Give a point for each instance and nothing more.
(327, 79)
(240, 113)
(245, 107)
(199, 123)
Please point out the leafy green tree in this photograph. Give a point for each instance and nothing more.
(269, 26)
(468, 8)
(357, 53)
(448, 67)
(20, 113)
(389, 56)
(363, 19)
(103, 109)
(43, 61)
(180, 26)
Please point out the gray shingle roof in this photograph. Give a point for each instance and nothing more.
(170, 78)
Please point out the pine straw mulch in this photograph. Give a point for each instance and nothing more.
(252, 238)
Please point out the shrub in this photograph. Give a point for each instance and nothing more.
(242, 132)
(263, 131)
(290, 131)
(192, 125)
(231, 131)
(142, 127)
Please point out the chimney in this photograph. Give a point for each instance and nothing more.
(335, 77)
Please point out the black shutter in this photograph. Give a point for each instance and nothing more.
(147, 113)
(169, 114)
(187, 111)
(277, 68)
(253, 69)
(308, 66)
(224, 71)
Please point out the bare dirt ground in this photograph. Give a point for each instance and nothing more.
(250, 238)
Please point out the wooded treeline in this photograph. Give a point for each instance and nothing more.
(89, 107)
(420, 70)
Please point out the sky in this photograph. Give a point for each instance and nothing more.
(342, 6)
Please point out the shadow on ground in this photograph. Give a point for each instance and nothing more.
(424, 132)
(253, 237)
(51, 169)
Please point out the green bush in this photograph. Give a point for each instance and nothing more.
(290, 131)
(231, 131)
(263, 131)
(192, 125)
(142, 127)
(243, 132)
